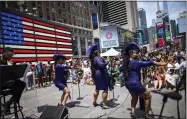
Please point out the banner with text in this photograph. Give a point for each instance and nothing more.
(109, 37)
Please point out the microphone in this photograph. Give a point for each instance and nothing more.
(172, 95)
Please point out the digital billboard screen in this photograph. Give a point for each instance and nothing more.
(94, 21)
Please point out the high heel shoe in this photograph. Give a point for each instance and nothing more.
(60, 104)
(147, 116)
(95, 104)
(133, 115)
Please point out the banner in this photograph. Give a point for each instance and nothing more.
(161, 32)
(155, 38)
(109, 37)
(94, 21)
(168, 38)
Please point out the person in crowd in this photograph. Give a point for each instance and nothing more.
(49, 71)
(132, 66)
(160, 78)
(40, 74)
(86, 74)
(17, 87)
(99, 74)
(60, 81)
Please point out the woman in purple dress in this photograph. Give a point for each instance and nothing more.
(60, 81)
(131, 70)
(99, 75)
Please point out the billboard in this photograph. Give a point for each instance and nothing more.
(168, 38)
(94, 21)
(182, 24)
(161, 32)
(109, 37)
(155, 38)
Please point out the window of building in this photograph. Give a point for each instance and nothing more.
(74, 44)
(48, 17)
(83, 46)
(52, 4)
(47, 3)
(59, 11)
(39, 3)
(53, 16)
(79, 31)
(60, 20)
(63, 4)
(33, 4)
(64, 20)
(40, 14)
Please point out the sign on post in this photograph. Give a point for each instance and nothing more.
(109, 37)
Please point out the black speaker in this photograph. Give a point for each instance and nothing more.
(55, 112)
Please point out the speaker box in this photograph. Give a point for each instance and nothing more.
(55, 112)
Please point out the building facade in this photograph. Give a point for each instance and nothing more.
(76, 15)
(152, 34)
(173, 28)
(143, 25)
(123, 13)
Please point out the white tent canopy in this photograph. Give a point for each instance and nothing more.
(111, 52)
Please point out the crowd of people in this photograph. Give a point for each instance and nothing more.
(136, 69)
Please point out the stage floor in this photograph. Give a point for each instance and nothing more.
(33, 106)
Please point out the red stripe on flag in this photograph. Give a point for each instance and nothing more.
(38, 29)
(45, 44)
(28, 35)
(63, 34)
(19, 51)
(63, 40)
(46, 52)
(65, 52)
(26, 19)
(44, 58)
(44, 37)
(61, 28)
(27, 27)
(42, 23)
(24, 59)
(29, 43)
(1, 50)
(64, 46)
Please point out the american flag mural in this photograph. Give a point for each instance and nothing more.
(34, 40)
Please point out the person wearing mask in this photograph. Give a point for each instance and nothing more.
(17, 87)
(100, 75)
(131, 69)
(60, 81)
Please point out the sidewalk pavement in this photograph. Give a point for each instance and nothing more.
(33, 106)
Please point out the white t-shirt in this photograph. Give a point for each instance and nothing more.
(169, 66)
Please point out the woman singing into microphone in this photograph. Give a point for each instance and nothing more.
(132, 66)
(60, 81)
(99, 74)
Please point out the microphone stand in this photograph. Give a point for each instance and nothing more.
(79, 98)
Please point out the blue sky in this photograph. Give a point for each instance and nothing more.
(174, 9)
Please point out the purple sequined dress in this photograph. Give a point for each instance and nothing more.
(101, 74)
(60, 81)
(133, 82)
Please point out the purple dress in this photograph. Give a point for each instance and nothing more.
(60, 81)
(133, 83)
(101, 74)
